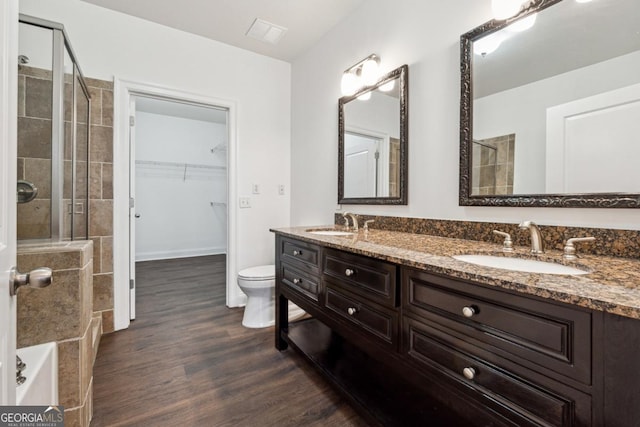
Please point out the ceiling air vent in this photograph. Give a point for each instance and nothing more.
(266, 31)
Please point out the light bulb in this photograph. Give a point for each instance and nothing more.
(365, 96)
(349, 84)
(503, 9)
(387, 86)
(523, 24)
(488, 44)
(369, 73)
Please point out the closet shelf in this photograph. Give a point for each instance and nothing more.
(178, 165)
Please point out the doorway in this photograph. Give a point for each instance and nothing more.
(179, 166)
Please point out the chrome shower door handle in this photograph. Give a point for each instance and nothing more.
(137, 215)
(38, 278)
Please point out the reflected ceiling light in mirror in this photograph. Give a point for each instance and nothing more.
(523, 24)
(488, 44)
(387, 87)
(583, 1)
(363, 73)
(503, 9)
(365, 96)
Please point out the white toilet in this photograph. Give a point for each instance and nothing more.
(259, 284)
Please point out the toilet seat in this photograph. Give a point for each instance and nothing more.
(261, 272)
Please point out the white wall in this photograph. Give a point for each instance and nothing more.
(109, 44)
(425, 35)
(179, 206)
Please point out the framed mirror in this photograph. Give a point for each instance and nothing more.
(550, 113)
(373, 142)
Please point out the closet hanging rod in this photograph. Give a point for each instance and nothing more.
(178, 165)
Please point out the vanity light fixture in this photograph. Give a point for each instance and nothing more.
(364, 73)
(503, 9)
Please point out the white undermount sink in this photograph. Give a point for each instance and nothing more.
(330, 232)
(520, 264)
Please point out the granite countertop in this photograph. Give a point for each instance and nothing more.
(612, 284)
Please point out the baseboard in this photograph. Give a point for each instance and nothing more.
(183, 253)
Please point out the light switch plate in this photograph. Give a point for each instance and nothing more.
(245, 202)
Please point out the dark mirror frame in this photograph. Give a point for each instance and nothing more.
(402, 74)
(584, 200)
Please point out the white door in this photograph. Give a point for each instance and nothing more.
(132, 209)
(360, 165)
(8, 156)
(598, 133)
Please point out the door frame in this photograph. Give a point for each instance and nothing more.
(123, 90)
(8, 175)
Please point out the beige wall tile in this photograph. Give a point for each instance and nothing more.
(69, 374)
(97, 254)
(21, 167)
(102, 84)
(34, 72)
(38, 171)
(95, 181)
(52, 313)
(101, 144)
(86, 364)
(96, 105)
(86, 291)
(72, 417)
(107, 254)
(103, 292)
(34, 138)
(107, 321)
(100, 218)
(21, 95)
(34, 220)
(38, 98)
(63, 258)
(107, 107)
(107, 181)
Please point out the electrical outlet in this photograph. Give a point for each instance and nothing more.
(256, 189)
(245, 202)
(281, 189)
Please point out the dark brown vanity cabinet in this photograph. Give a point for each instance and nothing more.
(462, 353)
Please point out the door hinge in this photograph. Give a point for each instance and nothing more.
(132, 202)
(377, 155)
(132, 120)
(132, 284)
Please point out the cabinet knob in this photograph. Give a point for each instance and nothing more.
(352, 311)
(296, 281)
(468, 311)
(469, 373)
(349, 272)
(297, 253)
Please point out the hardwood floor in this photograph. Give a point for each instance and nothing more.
(187, 361)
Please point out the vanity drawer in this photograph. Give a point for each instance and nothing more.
(518, 398)
(371, 278)
(378, 322)
(301, 254)
(301, 282)
(551, 336)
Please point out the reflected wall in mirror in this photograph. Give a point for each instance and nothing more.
(372, 142)
(549, 114)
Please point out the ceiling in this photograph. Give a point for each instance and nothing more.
(227, 21)
(181, 110)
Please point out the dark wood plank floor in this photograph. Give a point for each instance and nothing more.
(187, 361)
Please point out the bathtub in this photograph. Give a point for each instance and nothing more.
(41, 386)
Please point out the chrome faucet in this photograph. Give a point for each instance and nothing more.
(354, 220)
(537, 244)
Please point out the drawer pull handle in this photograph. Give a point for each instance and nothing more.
(352, 311)
(468, 311)
(469, 373)
(297, 253)
(297, 281)
(349, 272)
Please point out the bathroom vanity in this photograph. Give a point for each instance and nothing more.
(413, 336)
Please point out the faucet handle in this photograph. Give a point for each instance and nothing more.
(570, 249)
(507, 245)
(366, 224)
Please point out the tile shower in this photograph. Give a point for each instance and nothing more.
(65, 133)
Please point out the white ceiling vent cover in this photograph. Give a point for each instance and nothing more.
(266, 31)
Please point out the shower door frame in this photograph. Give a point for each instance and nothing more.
(60, 42)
